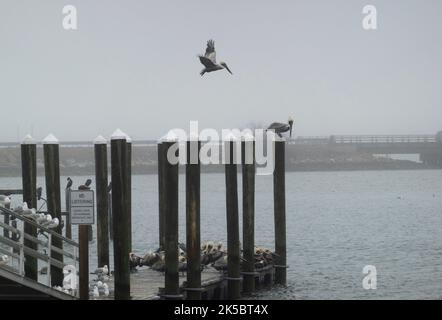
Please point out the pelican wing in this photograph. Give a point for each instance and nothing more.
(208, 63)
(210, 51)
(277, 125)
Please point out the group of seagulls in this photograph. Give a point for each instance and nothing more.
(45, 220)
(98, 287)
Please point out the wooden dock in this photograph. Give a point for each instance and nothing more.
(147, 284)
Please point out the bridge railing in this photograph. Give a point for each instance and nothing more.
(14, 246)
(382, 138)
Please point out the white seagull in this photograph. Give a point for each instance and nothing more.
(209, 60)
(4, 200)
(4, 259)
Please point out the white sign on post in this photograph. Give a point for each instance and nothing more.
(81, 207)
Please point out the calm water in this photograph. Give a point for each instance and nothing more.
(337, 222)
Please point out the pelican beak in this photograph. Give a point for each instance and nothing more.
(291, 127)
(227, 68)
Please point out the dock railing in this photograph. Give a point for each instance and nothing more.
(12, 244)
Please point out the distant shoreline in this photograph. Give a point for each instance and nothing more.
(297, 167)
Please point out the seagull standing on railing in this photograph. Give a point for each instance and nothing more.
(281, 127)
(209, 60)
(4, 200)
(4, 259)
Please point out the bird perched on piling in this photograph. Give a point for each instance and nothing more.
(86, 185)
(134, 261)
(69, 184)
(279, 127)
(4, 200)
(100, 271)
(209, 60)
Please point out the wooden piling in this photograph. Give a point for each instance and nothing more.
(29, 182)
(171, 285)
(233, 261)
(101, 182)
(193, 237)
(129, 187)
(68, 227)
(279, 211)
(52, 173)
(248, 205)
(162, 154)
(120, 222)
(84, 261)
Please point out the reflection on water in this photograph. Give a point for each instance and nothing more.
(337, 222)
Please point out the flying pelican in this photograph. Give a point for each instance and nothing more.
(69, 185)
(86, 185)
(281, 127)
(209, 60)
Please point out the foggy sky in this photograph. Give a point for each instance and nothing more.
(133, 65)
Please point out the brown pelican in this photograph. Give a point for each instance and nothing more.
(209, 60)
(281, 127)
(86, 185)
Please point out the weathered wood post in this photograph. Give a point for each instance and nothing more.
(119, 215)
(248, 205)
(52, 173)
(162, 158)
(29, 182)
(171, 285)
(101, 182)
(279, 210)
(233, 259)
(129, 187)
(83, 235)
(68, 227)
(193, 237)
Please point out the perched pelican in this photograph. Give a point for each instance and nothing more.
(281, 127)
(4, 200)
(134, 261)
(209, 60)
(86, 185)
(69, 185)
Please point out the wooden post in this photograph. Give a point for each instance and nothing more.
(193, 238)
(248, 205)
(101, 181)
(120, 222)
(233, 262)
(279, 208)
(171, 286)
(29, 182)
(129, 188)
(84, 261)
(161, 192)
(52, 173)
(68, 227)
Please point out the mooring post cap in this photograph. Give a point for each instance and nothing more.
(279, 139)
(128, 138)
(100, 140)
(118, 135)
(247, 136)
(171, 136)
(50, 139)
(28, 140)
